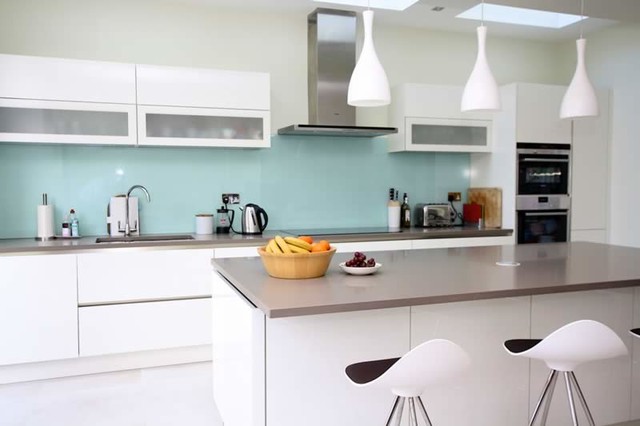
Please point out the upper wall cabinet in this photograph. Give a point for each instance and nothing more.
(428, 118)
(538, 114)
(203, 107)
(48, 100)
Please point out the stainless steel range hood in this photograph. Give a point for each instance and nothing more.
(331, 59)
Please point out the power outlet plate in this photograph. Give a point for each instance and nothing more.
(454, 196)
(232, 198)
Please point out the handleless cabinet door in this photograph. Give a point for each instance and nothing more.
(127, 276)
(538, 114)
(38, 308)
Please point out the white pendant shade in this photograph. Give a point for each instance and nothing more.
(481, 91)
(580, 99)
(368, 86)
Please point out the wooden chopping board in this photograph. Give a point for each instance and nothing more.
(491, 200)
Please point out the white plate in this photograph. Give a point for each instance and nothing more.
(360, 271)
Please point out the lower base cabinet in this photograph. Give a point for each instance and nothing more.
(38, 308)
(135, 327)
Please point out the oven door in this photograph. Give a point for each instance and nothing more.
(543, 174)
(543, 226)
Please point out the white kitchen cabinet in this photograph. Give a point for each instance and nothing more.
(51, 100)
(428, 118)
(132, 327)
(368, 246)
(38, 308)
(127, 276)
(590, 169)
(56, 79)
(538, 114)
(590, 235)
(461, 242)
(203, 107)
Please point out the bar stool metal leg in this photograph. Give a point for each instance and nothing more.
(400, 410)
(547, 405)
(424, 412)
(583, 401)
(543, 397)
(413, 419)
(393, 411)
(572, 405)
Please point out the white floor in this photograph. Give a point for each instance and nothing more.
(173, 395)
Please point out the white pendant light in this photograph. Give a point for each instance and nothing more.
(368, 86)
(580, 98)
(481, 91)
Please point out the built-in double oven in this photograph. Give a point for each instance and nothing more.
(543, 201)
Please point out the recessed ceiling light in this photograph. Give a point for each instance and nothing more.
(520, 16)
(438, 9)
(375, 4)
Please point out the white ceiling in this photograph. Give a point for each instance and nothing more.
(603, 13)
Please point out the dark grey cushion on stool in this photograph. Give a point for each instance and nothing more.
(520, 345)
(636, 331)
(364, 372)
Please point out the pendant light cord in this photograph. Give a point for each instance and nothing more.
(581, 16)
(368, 4)
(482, 14)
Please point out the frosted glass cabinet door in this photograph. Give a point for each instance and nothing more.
(450, 135)
(67, 122)
(203, 127)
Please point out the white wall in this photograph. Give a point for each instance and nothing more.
(161, 32)
(613, 60)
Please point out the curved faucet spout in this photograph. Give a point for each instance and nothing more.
(127, 226)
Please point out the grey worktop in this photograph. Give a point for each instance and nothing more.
(31, 246)
(418, 277)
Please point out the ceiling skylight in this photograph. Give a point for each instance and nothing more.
(520, 16)
(375, 4)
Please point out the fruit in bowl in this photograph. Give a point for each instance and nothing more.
(360, 265)
(296, 257)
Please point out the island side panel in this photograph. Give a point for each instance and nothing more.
(238, 357)
(306, 359)
(605, 384)
(635, 349)
(494, 391)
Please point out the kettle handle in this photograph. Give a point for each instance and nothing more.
(266, 218)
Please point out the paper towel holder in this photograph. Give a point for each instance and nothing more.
(45, 212)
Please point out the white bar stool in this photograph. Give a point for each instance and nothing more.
(563, 350)
(429, 363)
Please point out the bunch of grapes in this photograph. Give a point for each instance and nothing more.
(360, 261)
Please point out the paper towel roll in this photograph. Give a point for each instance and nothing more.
(45, 222)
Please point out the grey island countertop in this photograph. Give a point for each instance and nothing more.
(336, 235)
(418, 277)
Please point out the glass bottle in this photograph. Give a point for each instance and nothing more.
(405, 212)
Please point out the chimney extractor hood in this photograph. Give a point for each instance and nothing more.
(331, 58)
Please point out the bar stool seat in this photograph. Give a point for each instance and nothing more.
(563, 350)
(429, 363)
(635, 332)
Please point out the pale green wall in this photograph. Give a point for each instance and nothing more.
(302, 182)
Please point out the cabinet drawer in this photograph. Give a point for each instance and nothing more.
(144, 326)
(135, 276)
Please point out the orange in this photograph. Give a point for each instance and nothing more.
(322, 245)
(306, 238)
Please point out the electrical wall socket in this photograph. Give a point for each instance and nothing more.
(232, 198)
(454, 196)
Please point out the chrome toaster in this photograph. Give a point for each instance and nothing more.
(432, 215)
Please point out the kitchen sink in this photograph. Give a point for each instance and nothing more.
(144, 238)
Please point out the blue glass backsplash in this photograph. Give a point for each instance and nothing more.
(302, 182)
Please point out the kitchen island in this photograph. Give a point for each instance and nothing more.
(280, 355)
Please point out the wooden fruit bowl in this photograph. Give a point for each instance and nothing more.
(296, 266)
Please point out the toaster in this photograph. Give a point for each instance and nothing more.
(432, 215)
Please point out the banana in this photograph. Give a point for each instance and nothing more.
(268, 249)
(296, 249)
(275, 249)
(298, 243)
(282, 244)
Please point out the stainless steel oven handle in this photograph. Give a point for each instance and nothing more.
(546, 160)
(548, 214)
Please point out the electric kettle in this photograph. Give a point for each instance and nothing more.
(252, 219)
